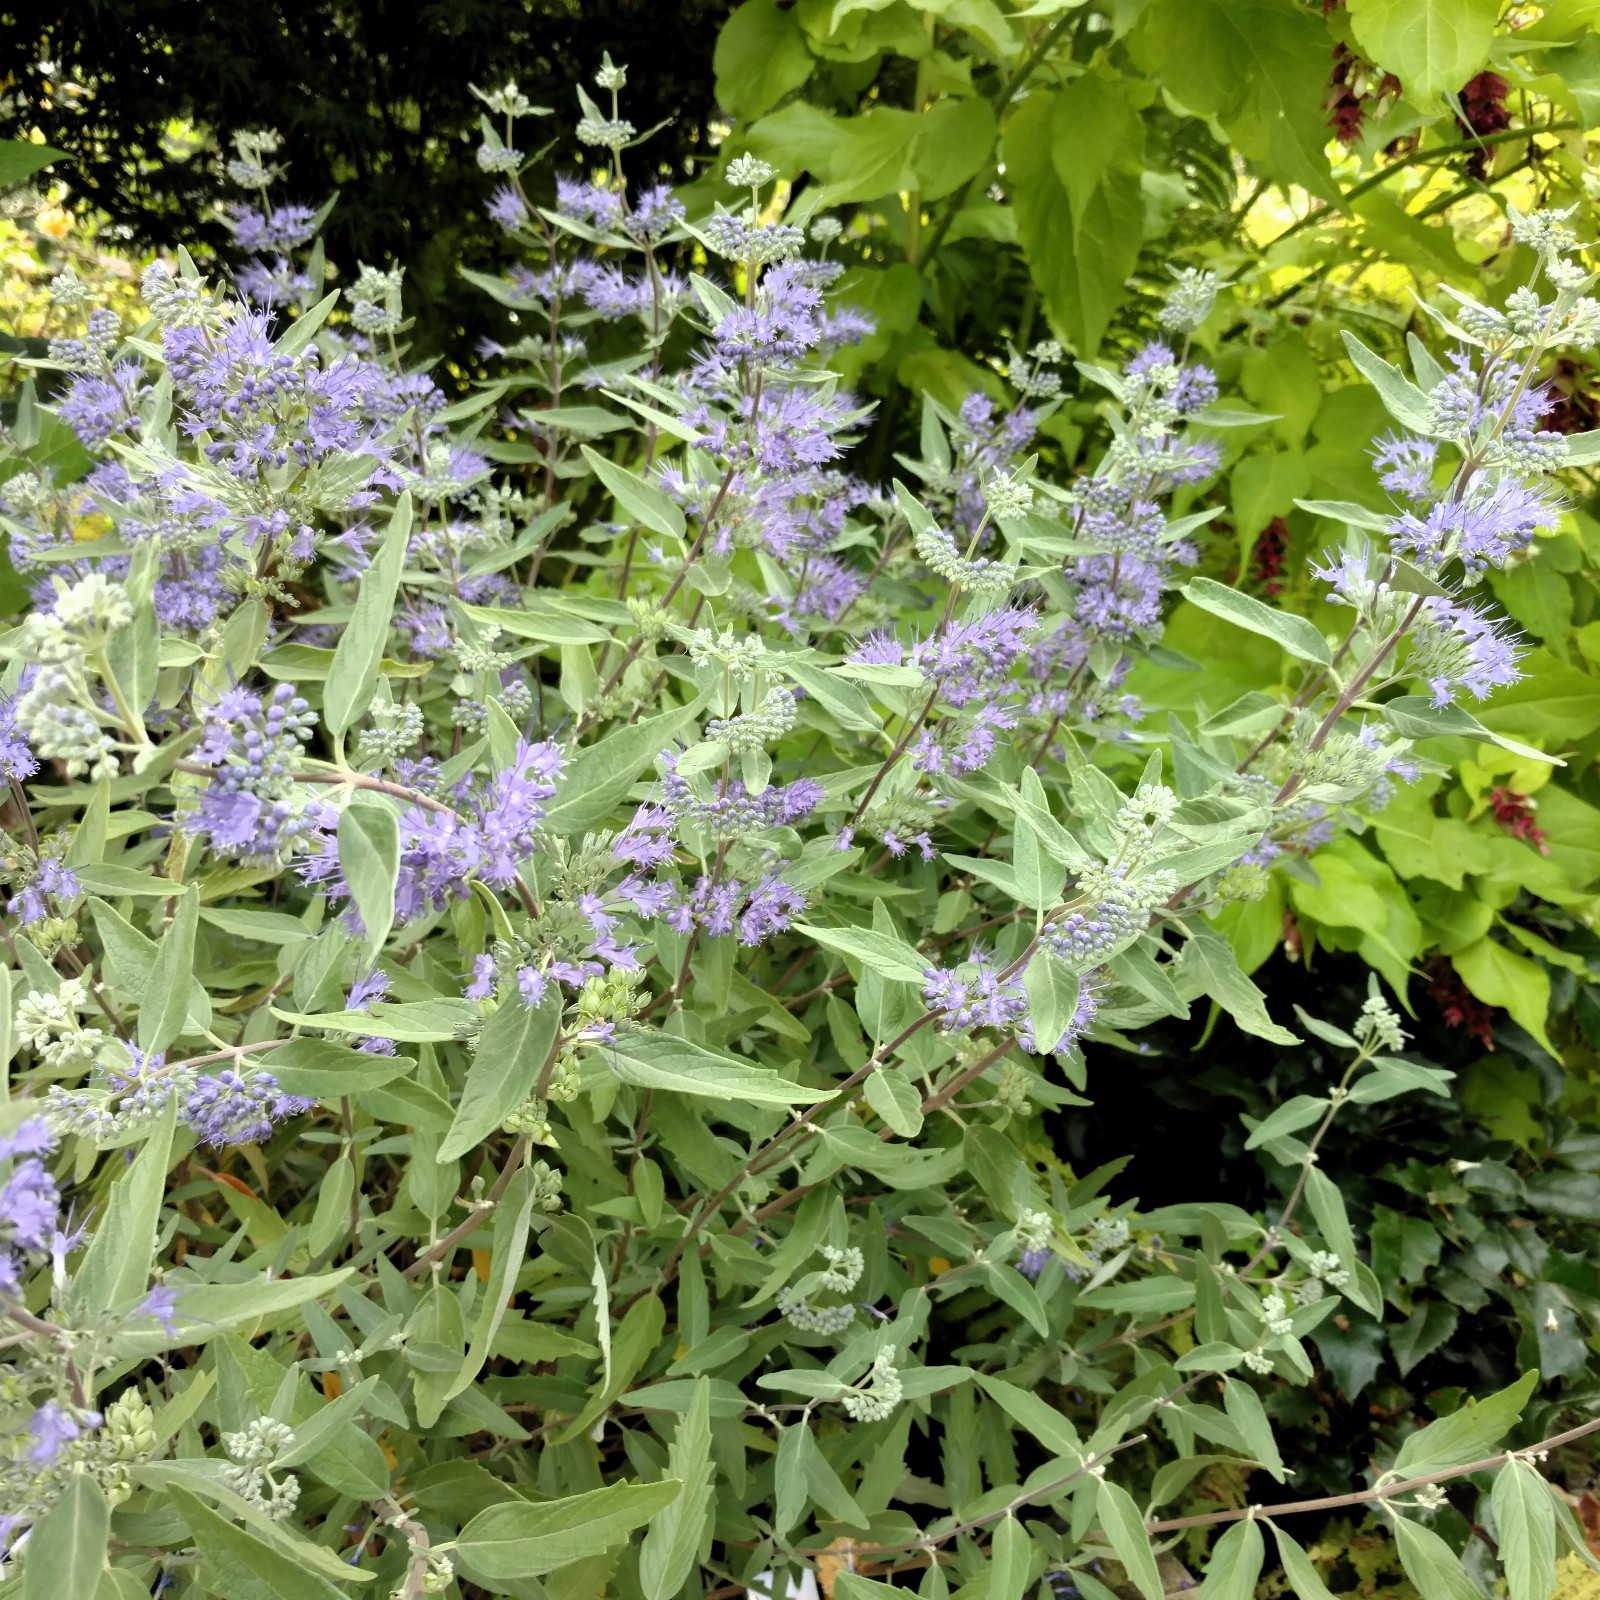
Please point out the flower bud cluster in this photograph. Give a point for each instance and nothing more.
(755, 730)
(978, 575)
(253, 1450)
(879, 1392)
(396, 733)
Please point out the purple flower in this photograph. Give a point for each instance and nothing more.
(32, 1138)
(375, 986)
(506, 209)
(982, 1000)
(29, 1207)
(160, 1303)
(53, 1428)
(531, 985)
(1033, 1262)
(234, 1109)
(772, 908)
(483, 978)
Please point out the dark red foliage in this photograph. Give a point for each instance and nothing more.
(1268, 556)
(1571, 383)
(1459, 1007)
(1514, 812)
(1484, 111)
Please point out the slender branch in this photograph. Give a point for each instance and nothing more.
(1372, 181)
(437, 1252)
(1381, 1492)
(1043, 1492)
(348, 780)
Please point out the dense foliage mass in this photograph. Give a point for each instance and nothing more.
(567, 950)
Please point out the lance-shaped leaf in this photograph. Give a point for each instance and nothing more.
(1298, 635)
(1434, 1569)
(667, 1556)
(640, 499)
(1303, 1577)
(116, 1266)
(1525, 1529)
(1235, 1563)
(165, 1008)
(511, 1049)
(519, 1540)
(1467, 1434)
(67, 1547)
(1125, 1528)
(886, 955)
(369, 857)
(359, 655)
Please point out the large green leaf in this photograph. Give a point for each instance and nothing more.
(369, 857)
(1467, 1434)
(67, 1548)
(761, 56)
(116, 1266)
(20, 159)
(239, 1564)
(1259, 66)
(518, 1540)
(359, 654)
(1432, 46)
(513, 1046)
(663, 1061)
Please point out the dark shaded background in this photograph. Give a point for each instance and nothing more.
(371, 98)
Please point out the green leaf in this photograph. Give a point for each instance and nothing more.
(407, 1021)
(1054, 1431)
(1432, 46)
(1080, 264)
(164, 1011)
(1209, 963)
(369, 857)
(1303, 1577)
(761, 56)
(67, 1547)
(241, 1565)
(332, 1214)
(663, 1061)
(1243, 1405)
(1259, 66)
(518, 1540)
(20, 159)
(116, 1267)
(305, 327)
(1298, 635)
(1010, 1560)
(1432, 1566)
(1403, 400)
(1467, 1434)
(1290, 1117)
(1263, 486)
(1235, 1563)
(1500, 977)
(311, 1434)
(1415, 716)
(1125, 1528)
(884, 954)
(896, 1099)
(599, 776)
(1052, 990)
(667, 1555)
(206, 1309)
(508, 1247)
(514, 1045)
(639, 499)
(359, 654)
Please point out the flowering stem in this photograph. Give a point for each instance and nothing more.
(439, 1251)
(1042, 1493)
(1382, 1491)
